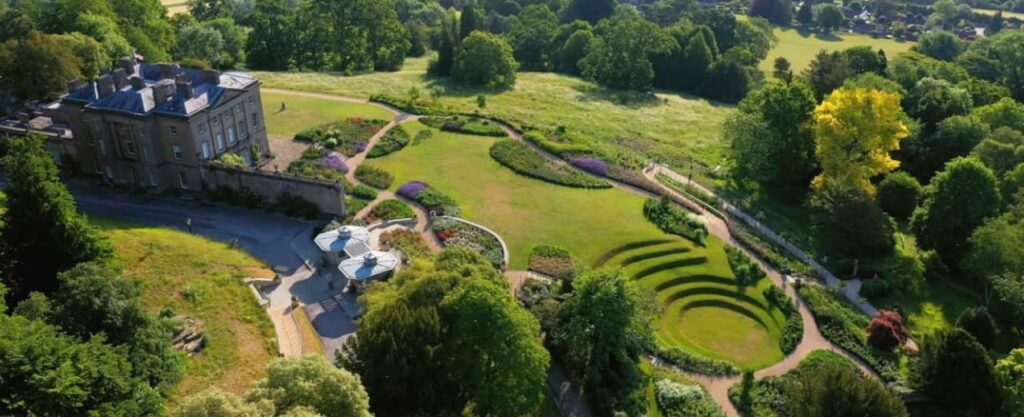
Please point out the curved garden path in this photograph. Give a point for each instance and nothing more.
(718, 386)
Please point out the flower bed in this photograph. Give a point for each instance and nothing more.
(465, 124)
(591, 165)
(564, 145)
(430, 198)
(409, 242)
(393, 141)
(316, 162)
(373, 176)
(841, 324)
(553, 261)
(524, 161)
(391, 209)
(348, 136)
(693, 363)
(452, 232)
(671, 219)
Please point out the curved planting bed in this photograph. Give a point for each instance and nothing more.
(706, 312)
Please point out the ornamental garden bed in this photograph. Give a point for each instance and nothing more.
(452, 232)
(554, 261)
(672, 219)
(523, 160)
(430, 198)
(348, 136)
(389, 209)
(373, 176)
(408, 241)
(393, 141)
(317, 162)
(465, 124)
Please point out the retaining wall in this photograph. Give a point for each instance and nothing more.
(327, 195)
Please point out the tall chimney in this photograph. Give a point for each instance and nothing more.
(74, 85)
(184, 88)
(167, 71)
(137, 82)
(120, 78)
(211, 76)
(163, 90)
(128, 65)
(104, 86)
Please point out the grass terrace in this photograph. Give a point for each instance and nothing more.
(302, 112)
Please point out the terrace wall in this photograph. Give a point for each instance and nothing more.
(328, 196)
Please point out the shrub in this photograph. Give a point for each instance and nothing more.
(746, 270)
(591, 165)
(979, 323)
(886, 331)
(336, 162)
(873, 289)
(898, 194)
(422, 136)
(561, 148)
(671, 219)
(392, 209)
(231, 159)
(465, 124)
(792, 333)
(523, 160)
(430, 198)
(393, 141)
(374, 177)
(412, 189)
(698, 364)
(296, 206)
(363, 192)
(676, 399)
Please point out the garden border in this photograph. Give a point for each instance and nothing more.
(504, 247)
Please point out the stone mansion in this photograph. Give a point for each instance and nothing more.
(153, 126)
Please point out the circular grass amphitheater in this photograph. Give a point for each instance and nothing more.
(705, 312)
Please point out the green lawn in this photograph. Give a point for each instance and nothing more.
(166, 263)
(670, 126)
(1006, 14)
(306, 112)
(598, 226)
(799, 47)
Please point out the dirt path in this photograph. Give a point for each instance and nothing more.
(718, 386)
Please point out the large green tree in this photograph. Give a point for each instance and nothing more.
(932, 101)
(530, 35)
(782, 153)
(444, 334)
(41, 233)
(1010, 372)
(605, 326)
(37, 67)
(620, 57)
(940, 45)
(269, 45)
(311, 382)
(956, 372)
(957, 201)
(589, 10)
(837, 391)
(898, 194)
(485, 59)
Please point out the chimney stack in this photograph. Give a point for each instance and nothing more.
(104, 86)
(74, 85)
(167, 71)
(184, 88)
(211, 76)
(120, 78)
(163, 91)
(137, 82)
(128, 65)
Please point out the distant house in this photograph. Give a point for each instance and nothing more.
(151, 126)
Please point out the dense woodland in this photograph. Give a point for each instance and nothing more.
(927, 144)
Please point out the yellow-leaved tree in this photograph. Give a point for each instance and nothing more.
(855, 130)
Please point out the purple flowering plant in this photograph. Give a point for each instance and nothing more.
(412, 189)
(591, 165)
(336, 162)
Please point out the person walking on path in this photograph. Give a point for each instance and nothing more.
(188, 223)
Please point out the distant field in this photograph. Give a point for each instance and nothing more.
(669, 126)
(306, 112)
(175, 6)
(799, 47)
(1006, 14)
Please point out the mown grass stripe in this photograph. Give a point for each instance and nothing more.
(607, 256)
(679, 263)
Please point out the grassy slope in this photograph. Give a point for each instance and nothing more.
(799, 47)
(526, 212)
(1006, 14)
(671, 126)
(241, 336)
(175, 6)
(306, 112)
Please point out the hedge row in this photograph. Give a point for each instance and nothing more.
(393, 141)
(672, 219)
(374, 177)
(693, 363)
(463, 124)
(523, 160)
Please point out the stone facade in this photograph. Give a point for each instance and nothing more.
(327, 195)
(153, 126)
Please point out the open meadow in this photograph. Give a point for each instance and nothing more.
(799, 46)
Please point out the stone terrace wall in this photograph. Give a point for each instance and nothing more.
(329, 196)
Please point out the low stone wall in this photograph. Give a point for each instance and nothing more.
(328, 196)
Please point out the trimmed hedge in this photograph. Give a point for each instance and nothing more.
(524, 161)
(374, 177)
(393, 141)
(391, 209)
(562, 149)
(746, 270)
(363, 192)
(671, 219)
(693, 363)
